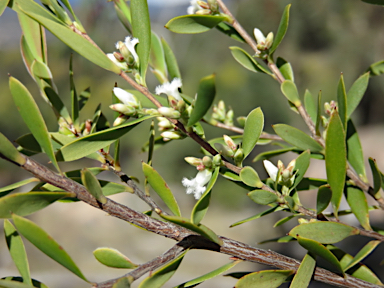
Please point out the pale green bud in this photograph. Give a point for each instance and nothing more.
(203, 12)
(169, 112)
(224, 150)
(213, 6)
(230, 143)
(123, 109)
(120, 120)
(216, 161)
(193, 161)
(239, 156)
(203, 4)
(207, 161)
(269, 40)
(241, 120)
(171, 135)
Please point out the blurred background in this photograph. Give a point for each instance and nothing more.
(325, 38)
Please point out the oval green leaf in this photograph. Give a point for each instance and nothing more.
(264, 279)
(377, 68)
(257, 216)
(297, 138)
(191, 24)
(45, 243)
(9, 188)
(283, 27)
(112, 258)
(27, 203)
(200, 229)
(335, 159)
(290, 92)
(246, 60)
(377, 181)
(269, 154)
(355, 151)
(93, 186)
(86, 145)
(324, 232)
(301, 166)
(342, 101)
(205, 96)
(31, 115)
(254, 125)
(170, 59)
(230, 31)
(285, 69)
(304, 274)
(157, 59)
(324, 195)
(210, 275)
(356, 93)
(161, 188)
(17, 250)
(141, 29)
(9, 151)
(262, 197)
(363, 253)
(161, 276)
(250, 177)
(310, 105)
(358, 202)
(320, 250)
(201, 207)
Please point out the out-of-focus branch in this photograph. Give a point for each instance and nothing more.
(188, 238)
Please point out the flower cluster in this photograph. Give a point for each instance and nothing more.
(203, 8)
(284, 176)
(127, 59)
(220, 114)
(263, 43)
(230, 149)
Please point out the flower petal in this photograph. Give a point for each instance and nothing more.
(271, 169)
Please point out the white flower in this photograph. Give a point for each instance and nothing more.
(121, 65)
(171, 89)
(271, 169)
(126, 97)
(193, 7)
(259, 36)
(197, 184)
(130, 43)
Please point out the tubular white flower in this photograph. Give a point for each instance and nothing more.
(271, 169)
(196, 186)
(126, 97)
(170, 89)
(131, 42)
(259, 36)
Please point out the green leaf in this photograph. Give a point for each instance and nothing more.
(13, 284)
(297, 137)
(359, 271)
(269, 154)
(66, 35)
(304, 274)
(27, 203)
(209, 275)
(9, 188)
(230, 31)
(161, 188)
(86, 145)
(93, 186)
(250, 177)
(74, 99)
(324, 232)
(377, 68)
(310, 105)
(309, 183)
(170, 59)
(285, 69)
(264, 279)
(246, 60)
(26, 52)
(281, 30)
(318, 118)
(9, 151)
(356, 93)
(157, 59)
(377, 181)
(17, 250)
(200, 228)
(285, 220)
(342, 101)
(301, 166)
(257, 216)
(84, 97)
(123, 282)
(355, 151)
(324, 196)
(191, 24)
(141, 28)
(161, 276)
(284, 239)
(205, 96)
(320, 250)
(201, 207)
(363, 253)
(3, 5)
(112, 258)
(335, 159)
(45, 243)
(357, 201)
(254, 125)
(290, 92)
(31, 115)
(262, 197)
(376, 2)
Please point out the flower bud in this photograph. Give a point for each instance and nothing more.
(171, 135)
(123, 109)
(230, 143)
(216, 161)
(193, 161)
(269, 40)
(239, 156)
(224, 150)
(229, 118)
(169, 112)
(241, 120)
(164, 123)
(203, 4)
(259, 36)
(213, 6)
(120, 120)
(207, 161)
(203, 12)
